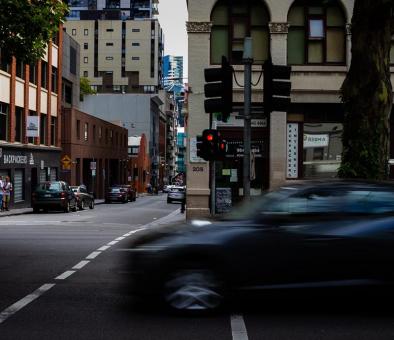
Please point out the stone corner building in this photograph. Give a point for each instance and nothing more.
(311, 36)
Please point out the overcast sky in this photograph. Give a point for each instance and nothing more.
(172, 18)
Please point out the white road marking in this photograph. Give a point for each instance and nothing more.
(120, 238)
(65, 275)
(80, 264)
(238, 328)
(103, 248)
(93, 255)
(112, 243)
(6, 313)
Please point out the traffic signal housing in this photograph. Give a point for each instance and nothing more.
(277, 87)
(211, 146)
(219, 90)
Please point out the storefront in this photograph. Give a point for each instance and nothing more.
(26, 167)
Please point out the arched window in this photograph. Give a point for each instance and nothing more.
(232, 23)
(316, 33)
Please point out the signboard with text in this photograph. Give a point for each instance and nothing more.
(32, 126)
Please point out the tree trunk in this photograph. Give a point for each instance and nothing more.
(367, 93)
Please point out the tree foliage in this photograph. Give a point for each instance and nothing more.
(85, 88)
(367, 92)
(26, 26)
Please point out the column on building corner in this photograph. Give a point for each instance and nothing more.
(11, 125)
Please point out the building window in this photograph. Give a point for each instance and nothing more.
(4, 118)
(232, 23)
(54, 79)
(94, 133)
(85, 31)
(109, 44)
(135, 58)
(316, 34)
(135, 44)
(73, 60)
(116, 88)
(110, 30)
(53, 130)
(44, 72)
(73, 31)
(30, 140)
(86, 132)
(85, 46)
(78, 129)
(4, 62)
(100, 132)
(322, 146)
(18, 124)
(109, 58)
(43, 130)
(33, 73)
(20, 69)
(135, 30)
(85, 60)
(85, 74)
(106, 136)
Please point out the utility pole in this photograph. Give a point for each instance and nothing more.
(248, 61)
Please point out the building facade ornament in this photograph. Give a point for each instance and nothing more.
(279, 27)
(198, 26)
(348, 29)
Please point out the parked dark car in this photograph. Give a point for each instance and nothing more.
(131, 193)
(84, 198)
(314, 234)
(56, 195)
(116, 194)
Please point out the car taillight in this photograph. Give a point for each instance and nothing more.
(63, 195)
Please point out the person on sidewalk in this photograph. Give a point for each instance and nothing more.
(1, 193)
(7, 193)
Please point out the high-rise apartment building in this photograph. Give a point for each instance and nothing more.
(121, 44)
(172, 71)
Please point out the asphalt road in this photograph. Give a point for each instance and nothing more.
(59, 279)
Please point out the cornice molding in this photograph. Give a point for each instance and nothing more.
(198, 26)
(279, 27)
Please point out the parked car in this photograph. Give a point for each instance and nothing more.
(176, 194)
(54, 195)
(167, 188)
(84, 198)
(131, 192)
(315, 235)
(116, 194)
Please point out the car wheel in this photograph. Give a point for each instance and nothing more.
(168, 200)
(75, 207)
(67, 208)
(193, 290)
(91, 205)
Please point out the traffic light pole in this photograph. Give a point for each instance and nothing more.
(248, 61)
(212, 175)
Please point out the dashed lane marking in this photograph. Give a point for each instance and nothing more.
(65, 275)
(93, 255)
(104, 248)
(11, 310)
(81, 264)
(238, 328)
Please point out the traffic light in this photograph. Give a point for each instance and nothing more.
(211, 146)
(219, 90)
(277, 87)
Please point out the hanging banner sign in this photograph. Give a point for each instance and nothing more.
(32, 126)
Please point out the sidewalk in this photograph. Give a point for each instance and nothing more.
(22, 211)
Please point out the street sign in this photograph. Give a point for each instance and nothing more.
(93, 172)
(66, 162)
(92, 165)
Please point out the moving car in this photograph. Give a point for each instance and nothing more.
(176, 194)
(313, 234)
(54, 195)
(84, 198)
(116, 194)
(131, 193)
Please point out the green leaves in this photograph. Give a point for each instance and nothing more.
(26, 26)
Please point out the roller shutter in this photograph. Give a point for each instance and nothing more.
(18, 185)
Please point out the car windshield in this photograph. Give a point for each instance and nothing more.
(54, 186)
(116, 190)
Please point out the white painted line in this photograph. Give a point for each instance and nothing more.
(6, 313)
(120, 238)
(93, 255)
(103, 248)
(112, 243)
(238, 328)
(65, 275)
(81, 264)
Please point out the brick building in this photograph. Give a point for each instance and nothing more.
(94, 151)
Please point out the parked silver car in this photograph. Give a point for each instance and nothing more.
(176, 194)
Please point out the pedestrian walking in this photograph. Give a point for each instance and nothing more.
(183, 205)
(7, 193)
(1, 193)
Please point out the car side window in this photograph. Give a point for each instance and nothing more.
(380, 201)
(82, 189)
